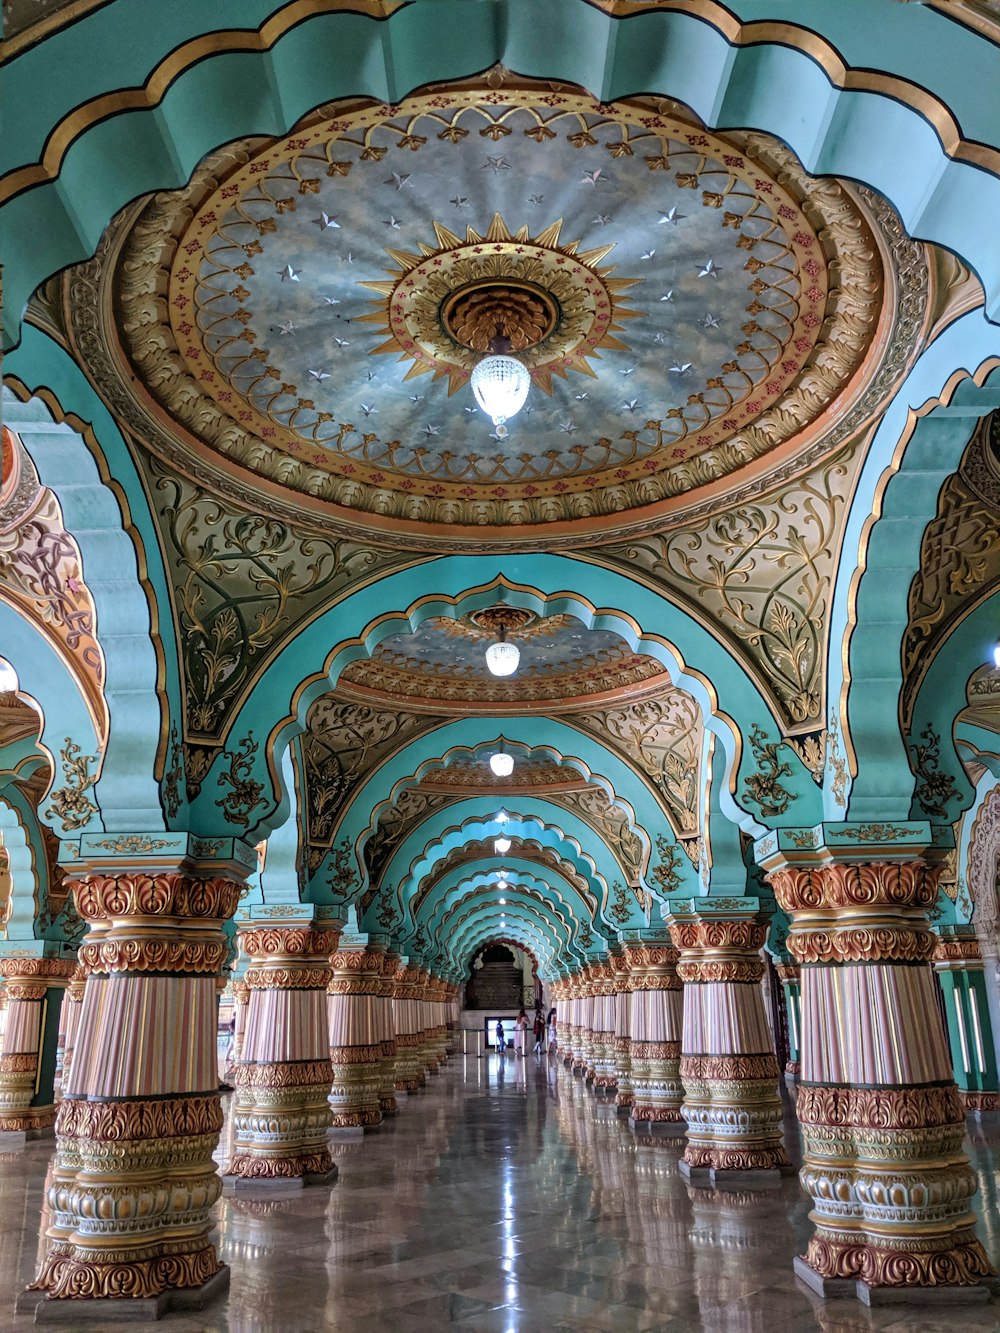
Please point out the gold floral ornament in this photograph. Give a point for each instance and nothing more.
(443, 305)
(70, 803)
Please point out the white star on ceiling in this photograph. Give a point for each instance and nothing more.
(288, 273)
(325, 221)
(671, 217)
(397, 180)
(710, 270)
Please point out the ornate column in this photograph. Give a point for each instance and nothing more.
(728, 1066)
(625, 1095)
(451, 1018)
(438, 1029)
(790, 976)
(958, 962)
(657, 1020)
(566, 1030)
(280, 1111)
(410, 1075)
(582, 1034)
(882, 1121)
(356, 1034)
(241, 1002)
(426, 1022)
(387, 1102)
(69, 1022)
(601, 1071)
(134, 1181)
(34, 989)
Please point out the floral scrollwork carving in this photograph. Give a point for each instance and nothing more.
(70, 803)
(245, 796)
(764, 787)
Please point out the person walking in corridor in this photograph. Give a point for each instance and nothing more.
(520, 1028)
(538, 1027)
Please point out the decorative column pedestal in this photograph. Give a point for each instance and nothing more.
(958, 962)
(882, 1121)
(280, 1111)
(728, 1066)
(356, 1029)
(133, 1181)
(624, 1094)
(655, 1048)
(34, 989)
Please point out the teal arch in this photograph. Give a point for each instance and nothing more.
(98, 514)
(59, 699)
(529, 925)
(471, 912)
(26, 857)
(439, 907)
(718, 62)
(474, 818)
(545, 584)
(899, 488)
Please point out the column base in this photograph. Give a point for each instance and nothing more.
(980, 1103)
(604, 1089)
(336, 1132)
(711, 1177)
(832, 1287)
(122, 1309)
(270, 1186)
(672, 1129)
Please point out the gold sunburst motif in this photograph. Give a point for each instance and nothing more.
(584, 302)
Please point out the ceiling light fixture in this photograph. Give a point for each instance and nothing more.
(501, 846)
(502, 902)
(996, 654)
(8, 677)
(502, 763)
(502, 657)
(500, 383)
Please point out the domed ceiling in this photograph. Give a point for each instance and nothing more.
(442, 664)
(304, 317)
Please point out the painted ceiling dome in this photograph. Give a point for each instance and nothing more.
(442, 665)
(304, 317)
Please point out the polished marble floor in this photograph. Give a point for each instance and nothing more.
(509, 1199)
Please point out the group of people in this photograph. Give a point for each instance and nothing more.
(543, 1031)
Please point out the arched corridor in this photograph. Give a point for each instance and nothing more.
(500, 543)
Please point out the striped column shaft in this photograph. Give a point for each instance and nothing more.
(280, 1113)
(625, 1093)
(241, 1001)
(133, 1180)
(656, 1021)
(387, 1038)
(34, 989)
(790, 976)
(567, 1031)
(882, 1121)
(426, 1022)
(728, 1066)
(356, 1037)
(69, 1024)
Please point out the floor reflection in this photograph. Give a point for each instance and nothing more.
(508, 1197)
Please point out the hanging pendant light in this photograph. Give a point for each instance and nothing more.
(500, 383)
(996, 654)
(502, 763)
(501, 846)
(502, 657)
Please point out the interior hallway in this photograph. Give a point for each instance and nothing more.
(509, 1200)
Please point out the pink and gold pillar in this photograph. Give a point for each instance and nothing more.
(69, 1023)
(410, 1075)
(655, 1049)
(386, 1015)
(882, 1121)
(134, 1182)
(602, 1074)
(625, 1093)
(356, 1029)
(34, 989)
(280, 1111)
(728, 1066)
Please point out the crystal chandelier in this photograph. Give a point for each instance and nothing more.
(500, 383)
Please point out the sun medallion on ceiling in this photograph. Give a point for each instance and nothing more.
(686, 304)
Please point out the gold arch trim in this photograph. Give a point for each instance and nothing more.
(151, 93)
